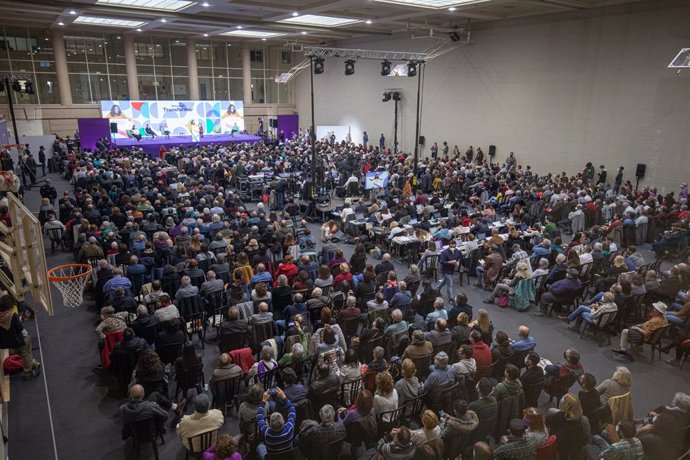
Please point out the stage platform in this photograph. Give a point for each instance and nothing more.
(153, 146)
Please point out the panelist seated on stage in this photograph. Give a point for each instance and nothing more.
(149, 131)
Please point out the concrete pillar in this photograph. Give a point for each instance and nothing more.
(193, 71)
(131, 64)
(61, 68)
(246, 75)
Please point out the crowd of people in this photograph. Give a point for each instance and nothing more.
(324, 350)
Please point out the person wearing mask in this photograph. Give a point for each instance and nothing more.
(449, 260)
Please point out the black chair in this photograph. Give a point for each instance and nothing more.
(190, 305)
(385, 421)
(146, 431)
(320, 400)
(422, 364)
(56, 238)
(332, 450)
(195, 323)
(197, 280)
(414, 408)
(225, 393)
(351, 389)
(349, 327)
(170, 352)
(122, 365)
(268, 378)
(600, 325)
(289, 454)
(199, 443)
(260, 333)
(188, 380)
(137, 280)
(229, 342)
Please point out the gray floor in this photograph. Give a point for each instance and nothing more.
(83, 404)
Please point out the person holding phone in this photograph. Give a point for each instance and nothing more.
(278, 433)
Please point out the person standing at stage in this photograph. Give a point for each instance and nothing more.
(201, 129)
(382, 142)
(365, 138)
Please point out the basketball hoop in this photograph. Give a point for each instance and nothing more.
(70, 280)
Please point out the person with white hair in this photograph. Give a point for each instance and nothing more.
(187, 289)
(90, 250)
(439, 312)
(542, 268)
(277, 434)
(398, 324)
(313, 440)
(211, 285)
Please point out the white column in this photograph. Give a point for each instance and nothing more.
(131, 64)
(61, 68)
(193, 71)
(246, 75)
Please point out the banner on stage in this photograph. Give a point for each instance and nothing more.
(376, 180)
(176, 118)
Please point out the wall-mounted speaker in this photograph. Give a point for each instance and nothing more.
(641, 169)
(113, 128)
(422, 139)
(492, 150)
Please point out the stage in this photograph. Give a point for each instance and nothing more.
(153, 146)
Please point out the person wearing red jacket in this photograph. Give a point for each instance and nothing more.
(481, 354)
(287, 268)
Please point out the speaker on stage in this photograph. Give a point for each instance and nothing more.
(113, 128)
(492, 150)
(641, 169)
(422, 139)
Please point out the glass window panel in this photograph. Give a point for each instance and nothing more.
(258, 88)
(99, 88)
(117, 69)
(165, 88)
(5, 65)
(236, 92)
(145, 70)
(22, 66)
(46, 85)
(162, 52)
(44, 65)
(118, 87)
(205, 88)
(221, 93)
(163, 70)
(180, 87)
(98, 68)
(205, 72)
(115, 50)
(147, 87)
(80, 88)
(180, 71)
(75, 49)
(178, 51)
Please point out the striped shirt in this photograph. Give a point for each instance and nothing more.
(277, 441)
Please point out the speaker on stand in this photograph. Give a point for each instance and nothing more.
(113, 130)
(639, 173)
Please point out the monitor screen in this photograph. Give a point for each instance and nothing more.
(376, 180)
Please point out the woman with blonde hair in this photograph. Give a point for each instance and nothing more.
(570, 426)
(619, 384)
(484, 325)
(536, 430)
(408, 386)
(619, 266)
(225, 448)
(508, 285)
(386, 397)
(429, 430)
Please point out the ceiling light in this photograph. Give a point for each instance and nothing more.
(205, 4)
(61, 23)
(411, 69)
(433, 4)
(160, 5)
(369, 21)
(252, 34)
(164, 20)
(263, 39)
(239, 27)
(118, 37)
(318, 66)
(452, 8)
(205, 35)
(138, 30)
(350, 67)
(316, 20)
(72, 12)
(304, 32)
(295, 13)
(108, 22)
(229, 44)
(385, 68)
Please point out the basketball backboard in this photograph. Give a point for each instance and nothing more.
(682, 60)
(24, 269)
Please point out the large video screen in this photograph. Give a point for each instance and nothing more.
(376, 180)
(180, 118)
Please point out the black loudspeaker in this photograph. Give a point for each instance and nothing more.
(273, 122)
(422, 139)
(492, 150)
(641, 169)
(113, 128)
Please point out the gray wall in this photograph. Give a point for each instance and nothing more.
(558, 90)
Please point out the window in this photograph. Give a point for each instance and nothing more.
(256, 56)
(285, 57)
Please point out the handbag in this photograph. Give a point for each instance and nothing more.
(504, 300)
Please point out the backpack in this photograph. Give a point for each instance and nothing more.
(13, 364)
(503, 300)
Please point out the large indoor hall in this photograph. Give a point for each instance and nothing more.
(360, 229)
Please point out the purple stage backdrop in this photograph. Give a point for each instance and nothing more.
(289, 124)
(91, 130)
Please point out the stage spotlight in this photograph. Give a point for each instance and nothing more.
(385, 68)
(411, 69)
(397, 96)
(16, 86)
(350, 67)
(29, 87)
(386, 96)
(318, 66)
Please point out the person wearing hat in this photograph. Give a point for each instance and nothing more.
(202, 420)
(640, 333)
(560, 292)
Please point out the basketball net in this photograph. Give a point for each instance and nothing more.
(70, 280)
